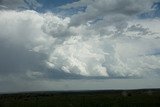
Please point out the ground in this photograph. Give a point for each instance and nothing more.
(105, 98)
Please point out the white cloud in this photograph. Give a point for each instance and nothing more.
(78, 56)
(111, 47)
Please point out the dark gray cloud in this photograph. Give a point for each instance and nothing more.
(16, 59)
(105, 8)
(138, 28)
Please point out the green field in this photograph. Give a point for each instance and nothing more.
(110, 98)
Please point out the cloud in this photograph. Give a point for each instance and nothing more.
(19, 33)
(106, 40)
(81, 50)
(105, 8)
(19, 4)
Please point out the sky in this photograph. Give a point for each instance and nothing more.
(79, 45)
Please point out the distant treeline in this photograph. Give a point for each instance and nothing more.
(97, 98)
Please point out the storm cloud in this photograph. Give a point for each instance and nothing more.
(107, 40)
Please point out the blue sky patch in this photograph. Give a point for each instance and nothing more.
(51, 5)
(155, 12)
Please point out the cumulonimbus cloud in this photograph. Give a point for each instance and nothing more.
(82, 50)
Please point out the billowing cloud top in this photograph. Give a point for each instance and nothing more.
(80, 39)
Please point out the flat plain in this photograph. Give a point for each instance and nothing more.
(96, 98)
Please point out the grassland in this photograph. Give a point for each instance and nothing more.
(110, 98)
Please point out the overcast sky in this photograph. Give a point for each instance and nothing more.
(79, 45)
